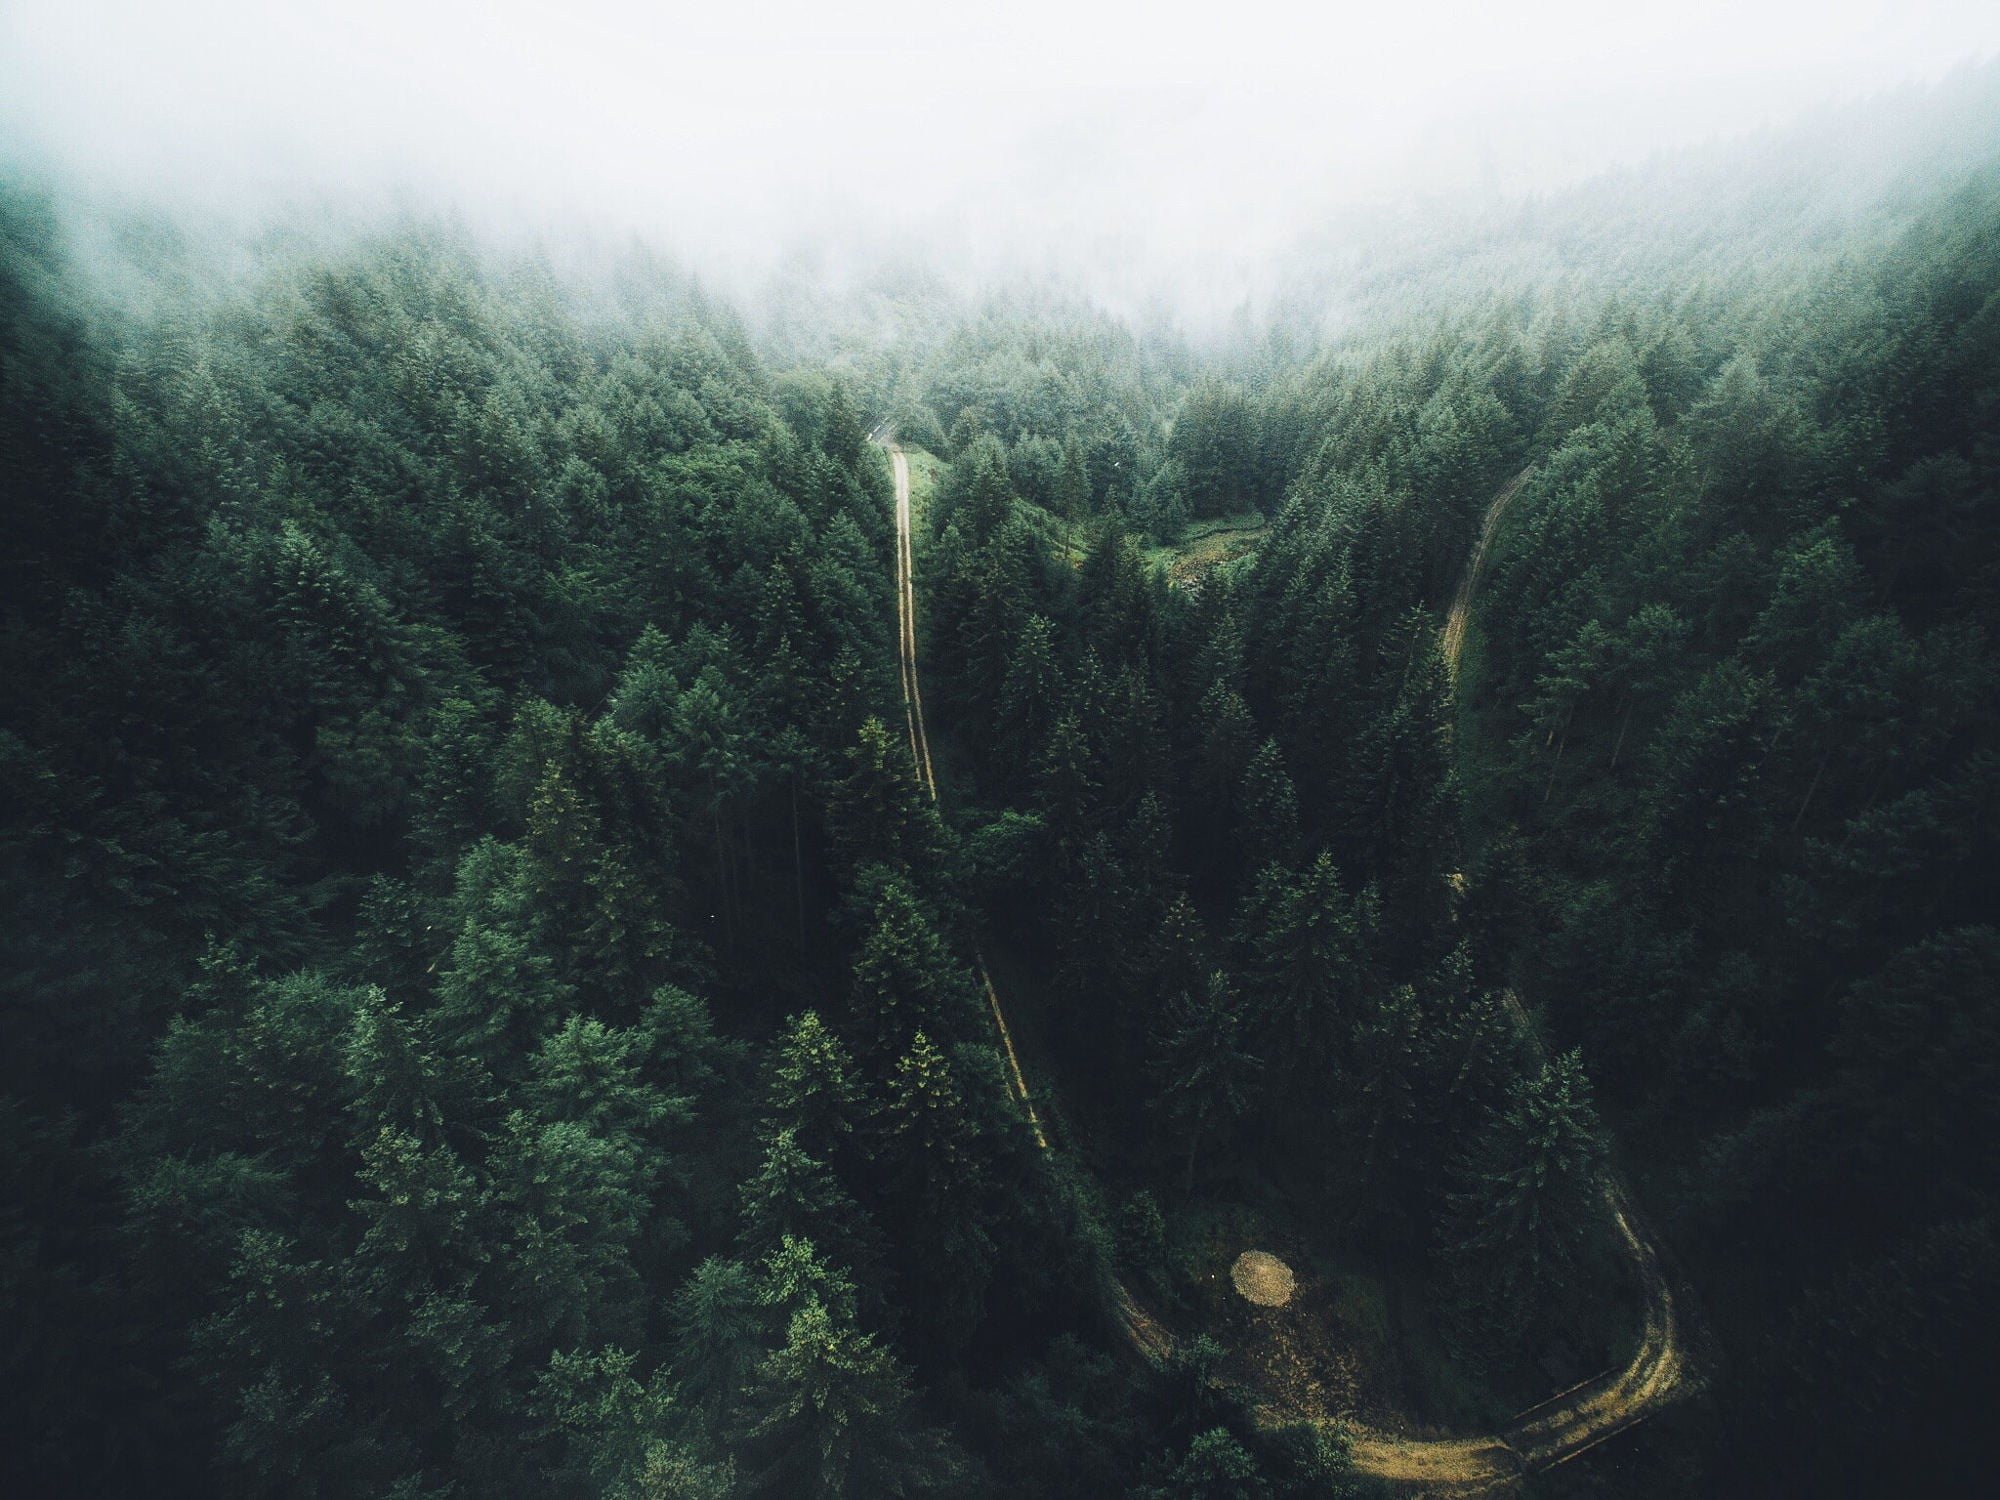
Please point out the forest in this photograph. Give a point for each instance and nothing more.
(1488, 792)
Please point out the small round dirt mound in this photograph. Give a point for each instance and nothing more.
(1262, 1278)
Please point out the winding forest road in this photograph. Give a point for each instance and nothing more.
(1571, 1421)
(1550, 1433)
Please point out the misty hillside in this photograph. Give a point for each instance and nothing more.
(634, 874)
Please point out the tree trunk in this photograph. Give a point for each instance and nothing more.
(721, 872)
(1818, 771)
(798, 866)
(1623, 724)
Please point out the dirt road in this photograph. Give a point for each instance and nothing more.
(1468, 586)
(906, 624)
(1572, 1421)
(1544, 1435)
(920, 752)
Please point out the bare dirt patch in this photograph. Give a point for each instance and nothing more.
(1262, 1278)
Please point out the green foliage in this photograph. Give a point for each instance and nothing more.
(716, 1331)
(463, 731)
(812, 1092)
(614, 1430)
(1201, 1069)
(1215, 1467)
(1532, 1181)
(830, 1412)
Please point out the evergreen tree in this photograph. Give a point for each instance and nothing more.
(1532, 1192)
(1201, 1067)
(829, 1415)
(935, 1167)
(717, 1321)
(813, 1093)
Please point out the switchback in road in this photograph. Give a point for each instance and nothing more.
(1544, 1435)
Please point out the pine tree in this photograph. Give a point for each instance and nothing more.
(497, 992)
(710, 750)
(616, 1433)
(1270, 821)
(830, 1416)
(1310, 951)
(1065, 788)
(905, 977)
(792, 1193)
(878, 812)
(1072, 490)
(569, 1207)
(1532, 1193)
(796, 1274)
(934, 1164)
(592, 1074)
(717, 1320)
(813, 1093)
(400, 1079)
(926, 1137)
(1030, 698)
(1201, 1066)
(452, 805)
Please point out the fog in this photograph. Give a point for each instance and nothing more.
(1151, 153)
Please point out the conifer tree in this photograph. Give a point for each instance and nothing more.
(934, 1164)
(1030, 698)
(1201, 1066)
(1310, 960)
(792, 1193)
(1532, 1192)
(830, 1417)
(813, 1092)
(1270, 822)
(905, 977)
(717, 1321)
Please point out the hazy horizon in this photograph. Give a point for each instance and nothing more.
(1171, 162)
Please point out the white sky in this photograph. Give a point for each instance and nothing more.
(1188, 139)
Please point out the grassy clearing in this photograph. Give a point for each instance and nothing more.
(1250, 520)
(1206, 545)
(925, 470)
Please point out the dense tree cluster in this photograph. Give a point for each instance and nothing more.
(482, 1012)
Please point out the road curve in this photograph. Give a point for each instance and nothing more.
(1575, 1420)
(1572, 1421)
(1545, 1435)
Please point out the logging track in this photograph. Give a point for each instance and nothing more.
(1550, 1433)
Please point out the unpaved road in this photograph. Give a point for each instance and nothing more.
(1568, 1423)
(906, 624)
(1544, 1435)
(1468, 586)
(1572, 1421)
(920, 751)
